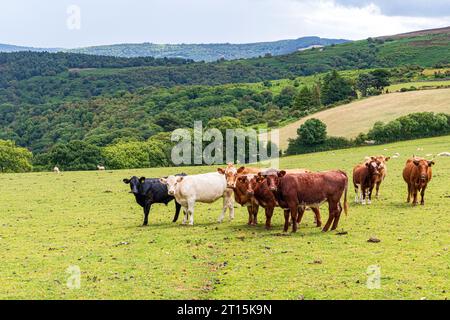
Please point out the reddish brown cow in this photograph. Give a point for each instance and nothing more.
(257, 187)
(240, 192)
(365, 177)
(293, 191)
(417, 174)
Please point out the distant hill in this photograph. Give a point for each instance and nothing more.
(12, 48)
(208, 52)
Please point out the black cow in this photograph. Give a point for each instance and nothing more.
(150, 191)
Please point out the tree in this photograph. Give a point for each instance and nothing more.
(75, 155)
(249, 116)
(14, 158)
(225, 123)
(312, 132)
(304, 99)
(335, 88)
(364, 82)
(286, 97)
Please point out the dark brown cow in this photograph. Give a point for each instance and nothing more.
(293, 191)
(382, 169)
(417, 174)
(257, 187)
(365, 177)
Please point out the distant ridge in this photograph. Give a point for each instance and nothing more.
(13, 48)
(210, 51)
(418, 33)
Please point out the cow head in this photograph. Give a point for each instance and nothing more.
(374, 167)
(135, 184)
(273, 177)
(171, 182)
(423, 165)
(231, 174)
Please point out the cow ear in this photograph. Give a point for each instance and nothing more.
(387, 159)
(126, 181)
(163, 180)
(367, 164)
(220, 170)
(416, 162)
(180, 179)
(142, 179)
(281, 174)
(241, 169)
(260, 178)
(430, 163)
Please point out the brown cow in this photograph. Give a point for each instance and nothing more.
(365, 177)
(417, 174)
(382, 169)
(240, 192)
(257, 187)
(294, 191)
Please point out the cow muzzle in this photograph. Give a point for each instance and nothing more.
(251, 193)
(273, 189)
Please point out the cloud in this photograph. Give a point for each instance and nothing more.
(413, 8)
(194, 21)
(333, 18)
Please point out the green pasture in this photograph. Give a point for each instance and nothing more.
(49, 222)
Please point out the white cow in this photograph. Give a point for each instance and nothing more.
(101, 168)
(56, 170)
(205, 188)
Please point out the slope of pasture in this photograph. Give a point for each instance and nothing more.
(351, 119)
(88, 219)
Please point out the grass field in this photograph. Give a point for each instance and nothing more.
(88, 219)
(351, 119)
(418, 85)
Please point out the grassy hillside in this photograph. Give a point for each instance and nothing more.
(89, 219)
(356, 117)
(208, 52)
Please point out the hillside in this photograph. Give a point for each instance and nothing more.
(12, 48)
(208, 52)
(356, 117)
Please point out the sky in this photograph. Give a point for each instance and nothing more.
(79, 23)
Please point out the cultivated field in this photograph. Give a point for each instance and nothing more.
(351, 119)
(88, 219)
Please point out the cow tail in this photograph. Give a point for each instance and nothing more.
(345, 199)
(345, 195)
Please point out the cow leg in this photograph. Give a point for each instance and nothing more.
(255, 214)
(293, 209)
(269, 214)
(250, 215)
(300, 213)
(408, 199)
(318, 219)
(224, 210)
(177, 211)
(337, 215)
(363, 195)
(356, 193)
(147, 207)
(185, 211)
(415, 191)
(286, 220)
(330, 217)
(191, 204)
(369, 201)
(422, 194)
(378, 189)
(231, 205)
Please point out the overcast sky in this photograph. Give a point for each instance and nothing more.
(49, 23)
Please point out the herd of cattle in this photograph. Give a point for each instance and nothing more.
(294, 191)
